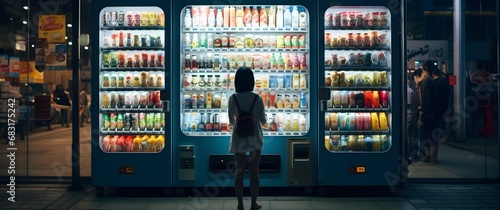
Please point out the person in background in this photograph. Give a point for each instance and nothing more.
(424, 83)
(84, 107)
(61, 97)
(442, 92)
(411, 119)
(244, 83)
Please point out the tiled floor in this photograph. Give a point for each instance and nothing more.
(415, 196)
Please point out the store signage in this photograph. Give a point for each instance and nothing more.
(52, 27)
(482, 77)
(28, 72)
(4, 65)
(14, 66)
(427, 50)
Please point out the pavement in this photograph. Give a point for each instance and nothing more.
(414, 196)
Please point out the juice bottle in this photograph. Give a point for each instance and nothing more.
(383, 121)
(295, 123)
(295, 17)
(368, 99)
(255, 17)
(360, 121)
(302, 123)
(263, 17)
(232, 17)
(384, 99)
(272, 17)
(367, 122)
(279, 17)
(334, 121)
(288, 62)
(219, 19)
(226, 17)
(375, 100)
(248, 17)
(240, 14)
(303, 62)
(296, 62)
(327, 143)
(288, 122)
(375, 124)
(281, 63)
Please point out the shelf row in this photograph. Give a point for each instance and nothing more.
(245, 50)
(265, 133)
(112, 49)
(242, 29)
(131, 132)
(268, 110)
(289, 90)
(232, 70)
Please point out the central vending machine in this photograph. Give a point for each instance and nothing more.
(278, 43)
(360, 66)
(131, 138)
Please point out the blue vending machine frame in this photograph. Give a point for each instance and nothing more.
(361, 167)
(131, 169)
(198, 155)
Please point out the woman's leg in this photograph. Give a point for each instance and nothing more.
(240, 166)
(254, 177)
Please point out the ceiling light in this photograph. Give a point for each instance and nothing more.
(86, 48)
(69, 25)
(70, 43)
(25, 22)
(26, 8)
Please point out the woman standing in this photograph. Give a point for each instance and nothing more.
(242, 100)
(62, 98)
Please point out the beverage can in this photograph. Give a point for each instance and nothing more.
(187, 101)
(105, 18)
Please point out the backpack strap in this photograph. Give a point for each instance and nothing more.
(238, 105)
(253, 103)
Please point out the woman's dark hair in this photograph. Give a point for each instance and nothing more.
(417, 72)
(244, 80)
(430, 67)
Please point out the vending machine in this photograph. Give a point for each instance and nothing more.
(131, 138)
(278, 42)
(360, 69)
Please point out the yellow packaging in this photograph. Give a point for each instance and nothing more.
(209, 100)
(383, 121)
(376, 143)
(144, 18)
(375, 124)
(303, 81)
(295, 81)
(327, 143)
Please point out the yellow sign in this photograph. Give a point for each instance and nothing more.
(360, 169)
(52, 27)
(29, 73)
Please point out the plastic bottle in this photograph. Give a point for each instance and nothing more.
(295, 123)
(287, 18)
(295, 17)
(279, 17)
(232, 17)
(302, 20)
(219, 20)
(303, 123)
(223, 123)
(240, 14)
(226, 17)
(223, 101)
(187, 19)
(272, 17)
(211, 18)
(210, 41)
(196, 16)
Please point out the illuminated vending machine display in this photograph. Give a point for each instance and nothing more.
(274, 41)
(360, 122)
(132, 66)
(130, 136)
(270, 40)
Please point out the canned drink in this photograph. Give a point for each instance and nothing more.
(152, 59)
(121, 18)
(113, 19)
(144, 60)
(153, 41)
(137, 19)
(144, 40)
(152, 18)
(144, 19)
(130, 19)
(187, 101)
(161, 58)
(161, 19)
(137, 40)
(105, 18)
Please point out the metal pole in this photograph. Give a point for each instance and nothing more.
(459, 68)
(75, 64)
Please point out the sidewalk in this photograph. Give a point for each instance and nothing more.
(416, 196)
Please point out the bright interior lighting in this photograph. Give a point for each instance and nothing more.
(32, 45)
(70, 43)
(65, 37)
(86, 48)
(25, 22)
(69, 25)
(25, 7)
